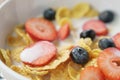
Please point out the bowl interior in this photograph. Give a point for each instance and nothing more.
(13, 12)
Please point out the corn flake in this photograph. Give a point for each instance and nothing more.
(85, 43)
(6, 56)
(36, 78)
(19, 37)
(74, 70)
(25, 36)
(61, 13)
(60, 73)
(95, 53)
(92, 62)
(80, 10)
(35, 72)
(1, 57)
(20, 70)
(64, 21)
(15, 53)
(15, 41)
(92, 13)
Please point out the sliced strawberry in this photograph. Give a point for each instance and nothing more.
(64, 32)
(96, 25)
(116, 40)
(39, 54)
(109, 63)
(34, 38)
(91, 73)
(41, 29)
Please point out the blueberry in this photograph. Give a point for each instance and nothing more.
(88, 34)
(79, 55)
(106, 43)
(49, 14)
(106, 16)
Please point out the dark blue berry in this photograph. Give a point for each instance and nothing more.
(49, 14)
(88, 34)
(106, 43)
(106, 16)
(79, 55)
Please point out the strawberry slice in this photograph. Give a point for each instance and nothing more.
(96, 25)
(41, 29)
(64, 32)
(91, 73)
(116, 40)
(39, 54)
(109, 63)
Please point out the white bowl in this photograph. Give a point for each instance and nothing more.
(14, 12)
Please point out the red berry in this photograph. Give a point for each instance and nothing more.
(41, 29)
(116, 40)
(109, 63)
(91, 73)
(64, 32)
(96, 25)
(38, 54)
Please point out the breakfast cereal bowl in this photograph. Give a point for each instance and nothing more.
(13, 12)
